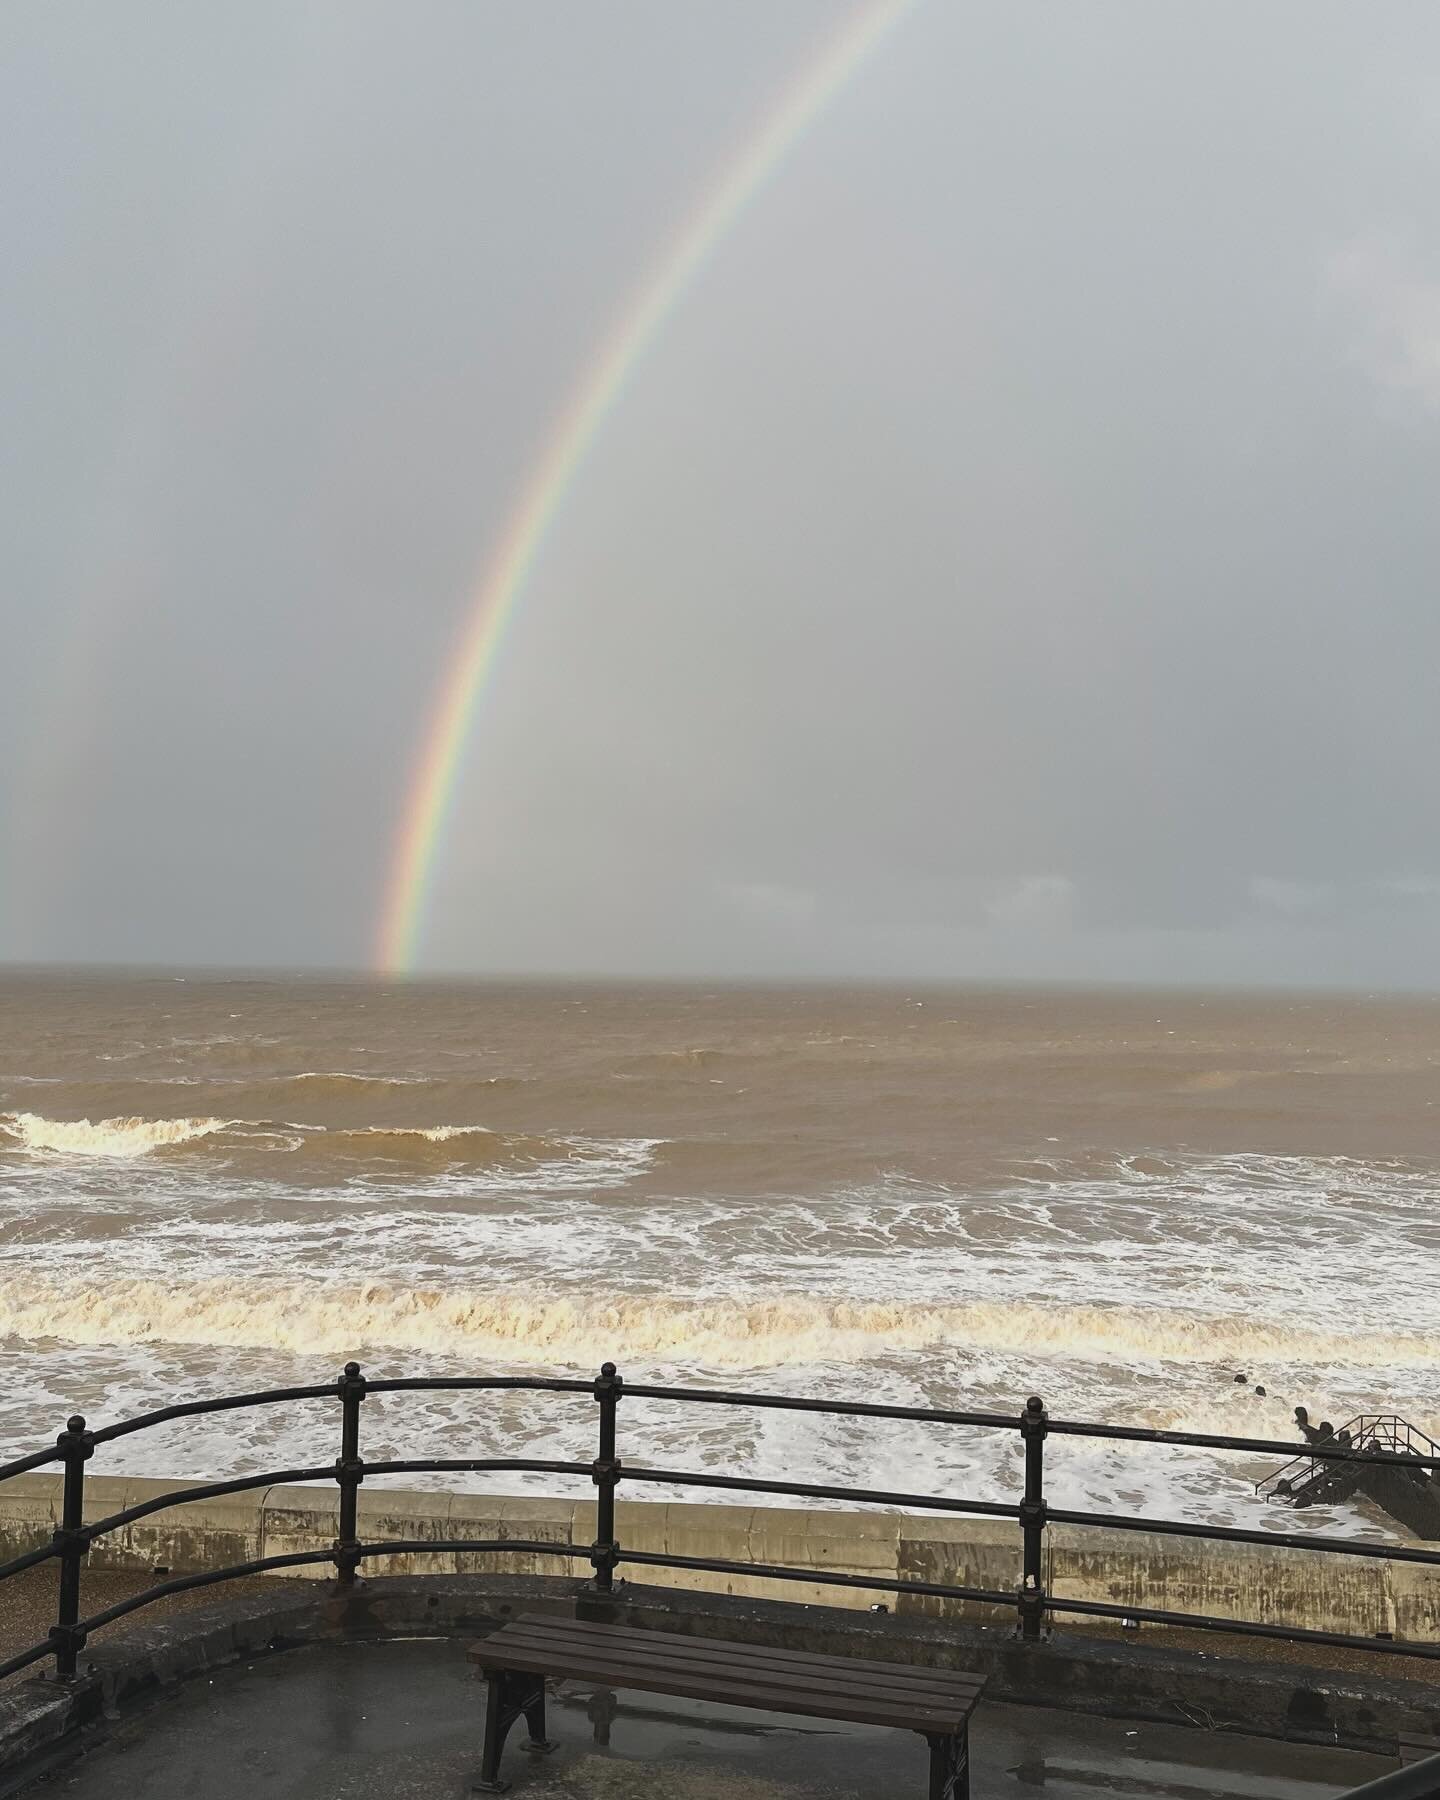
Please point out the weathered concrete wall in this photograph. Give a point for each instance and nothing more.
(1353, 1594)
(1357, 1595)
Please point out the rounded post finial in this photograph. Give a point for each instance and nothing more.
(75, 1423)
(352, 1369)
(607, 1369)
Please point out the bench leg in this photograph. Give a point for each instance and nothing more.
(601, 1714)
(534, 1710)
(950, 1766)
(510, 1695)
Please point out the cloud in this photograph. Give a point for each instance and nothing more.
(770, 902)
(1410, 887)
(1296, 899)
(1393, 289)
(1034, 902)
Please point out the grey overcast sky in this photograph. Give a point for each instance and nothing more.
(1019, 555)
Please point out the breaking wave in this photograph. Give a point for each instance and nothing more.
(104, 1137)
(514, 1326)
(470, 1143)
(133, 1137)
(669, 1062)
(345, 1084)
(360, 1098)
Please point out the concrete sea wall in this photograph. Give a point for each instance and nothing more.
(1359, 1595)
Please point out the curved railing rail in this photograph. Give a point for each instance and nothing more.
(1420, 1781)
(1032, 1512)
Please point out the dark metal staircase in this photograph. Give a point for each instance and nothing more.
(1410, 1496)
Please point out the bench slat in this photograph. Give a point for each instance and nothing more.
(671, 1642)
(643, 1667)
(744, 1661)
(816, 1702)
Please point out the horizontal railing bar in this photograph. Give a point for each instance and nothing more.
(215, 1490)
(1010, 1422)
(25, 1658)
(240, 1571)
(849, 1409)
(517, 1546)
(1416, 1781)
(29, 1560)
(22, 1465)
(480, 1465)
(824, 1577)
(1296, 1634)
(1328, 1451)
(183, 1584)
(472, 1546)
(210, 1490)
(994, 1509)
(744, 1484)
(1233, 1534)
(543, 1384)
(190, 1409)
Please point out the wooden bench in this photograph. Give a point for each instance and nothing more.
(516, 1659)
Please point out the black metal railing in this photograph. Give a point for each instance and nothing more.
(1418, 1781)
(1033, 1604)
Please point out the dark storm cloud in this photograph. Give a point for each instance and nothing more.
(1017, 555)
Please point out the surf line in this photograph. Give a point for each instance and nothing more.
(430, 795)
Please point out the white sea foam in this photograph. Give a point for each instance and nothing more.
(432, 1134)
(321, 1317)
(359, 1079)
(1127, 1288)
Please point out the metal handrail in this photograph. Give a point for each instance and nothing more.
(1420, 1781)
(76, 1445)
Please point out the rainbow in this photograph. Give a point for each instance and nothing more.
(431, 792)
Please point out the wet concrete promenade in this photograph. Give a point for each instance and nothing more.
(401, 1721)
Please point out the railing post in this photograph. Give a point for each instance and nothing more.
(1034, 1425)
(349, 1472)
(76, 1446)
(605, 1473)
